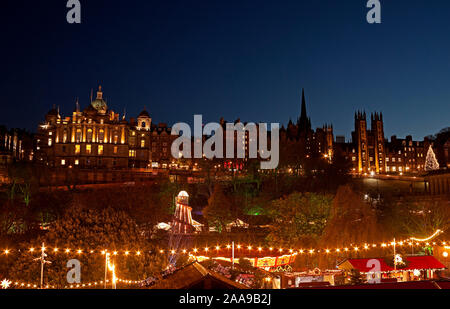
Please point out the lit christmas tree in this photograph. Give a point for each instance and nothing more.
(431, 164)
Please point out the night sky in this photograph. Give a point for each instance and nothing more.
(236, 59)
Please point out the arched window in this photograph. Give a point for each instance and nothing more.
(78, 136)
(65, 136)
(89, 135)
(101, 136)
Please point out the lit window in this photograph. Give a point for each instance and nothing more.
(88, 149)
(89, 135)
(132, 153)
(78, 136)
(63, 162)
(77, 149)
(50, 142)
(143, 143)
(101, 136)
(100, 150)
(77, 162)
(115, 149)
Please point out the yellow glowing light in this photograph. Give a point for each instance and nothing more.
(5, 284)
(249, 247)
(428, 238)
(445, 254)
(115, 252)
(239, 246)
(338, 250)
(6, 251)
(259, 249)
(138, 253)
(217, 248)
(327, 251)
(31, 249)
(127, 253)
(55, 250)
(195, 250)
(206, 249)
(67, 250)
(79, 251)
(184, 251)
(228, 246)
(345, 249)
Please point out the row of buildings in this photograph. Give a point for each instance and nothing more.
(15, 145)
(99, 138)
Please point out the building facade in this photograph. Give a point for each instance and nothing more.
(15, 145)
(98, 138)
(371, 153)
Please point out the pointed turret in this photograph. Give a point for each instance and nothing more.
(304, 123)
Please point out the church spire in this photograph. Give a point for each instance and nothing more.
(304, 114)
(304, 123)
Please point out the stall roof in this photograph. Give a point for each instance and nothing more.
(414, 262)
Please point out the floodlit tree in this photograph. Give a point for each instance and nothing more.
(298, 219)
(431, 163)
(87, 230)
(219, 211)
(352, 221)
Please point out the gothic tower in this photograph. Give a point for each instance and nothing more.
(361, 141)
(379, 147)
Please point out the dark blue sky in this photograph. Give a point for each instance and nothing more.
(236, 59)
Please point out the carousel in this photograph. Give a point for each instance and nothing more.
(273, 260)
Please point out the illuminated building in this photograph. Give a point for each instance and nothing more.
(98, 138)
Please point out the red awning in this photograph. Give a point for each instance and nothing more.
(415, 262)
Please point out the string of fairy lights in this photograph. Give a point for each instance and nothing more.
(95, 284)
(411, 242)
(197, 252)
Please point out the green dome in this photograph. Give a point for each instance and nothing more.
(99, 104)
